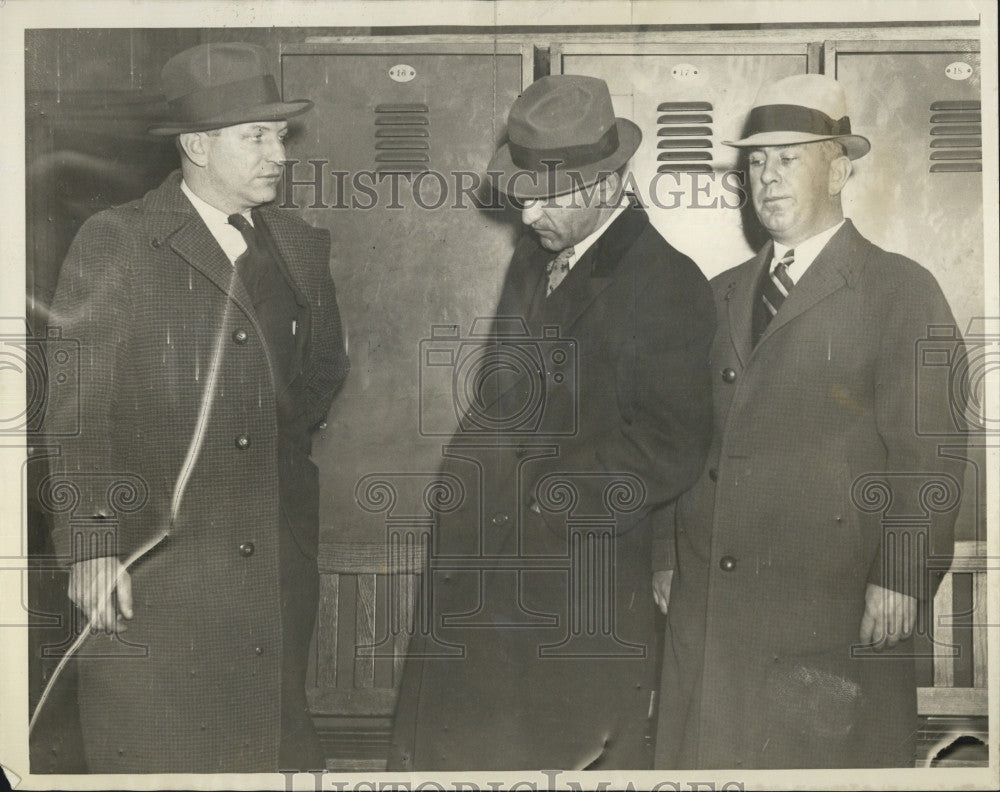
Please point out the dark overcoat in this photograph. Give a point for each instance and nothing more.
(544, 648)
(151, 300)
(781, 534)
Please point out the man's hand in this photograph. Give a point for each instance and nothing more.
(661, 589)
(92, 585)
(889, 617)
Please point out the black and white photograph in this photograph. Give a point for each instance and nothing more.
(485, 395)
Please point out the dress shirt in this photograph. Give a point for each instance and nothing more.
(805, 252)
(229, 238)
(584, 244)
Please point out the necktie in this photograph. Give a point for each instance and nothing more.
(775, 289)
(273, 299)
(252, 262)
(557, 269)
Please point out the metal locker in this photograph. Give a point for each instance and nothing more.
(407, 265)
(687, 98)
(919, 191)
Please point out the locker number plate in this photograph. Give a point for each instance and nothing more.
(958, 70)
(684, 71)
(402, 73)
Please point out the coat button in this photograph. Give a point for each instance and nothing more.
(713, 474)
(258, 650)
(323, 425)
(246, 549)
(728, 375)
(154, 242)
(727, 563)
(500, 518)
(240, 336)
(243, 442)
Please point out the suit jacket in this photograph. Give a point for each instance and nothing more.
(782, 532)
(598, 413)
(150, 298)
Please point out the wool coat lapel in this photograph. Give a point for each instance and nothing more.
(175, 222)
(591, 275)
(829, 272)
(834, 267)
(595, 270)
(740, 296)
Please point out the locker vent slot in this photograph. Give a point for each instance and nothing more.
(402, 138)
(956, 137)
(685, 144)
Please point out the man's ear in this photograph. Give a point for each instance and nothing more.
(610, 187)
(840, 172)
(193, 146)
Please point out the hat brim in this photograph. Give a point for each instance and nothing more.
(856, 145)
(277, 111)
(524, 184)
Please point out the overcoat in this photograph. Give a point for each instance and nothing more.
(534, 662)
(149, 300)
(779, 537)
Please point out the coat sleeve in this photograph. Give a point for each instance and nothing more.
(92, 315)
(661, 384)
(328, 363)
(914, 405)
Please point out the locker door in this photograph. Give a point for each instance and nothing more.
(687, 99)
(402, 263)
(919, 190)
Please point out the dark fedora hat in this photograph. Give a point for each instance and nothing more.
(218, 85)
(803, 108)
(561, 133)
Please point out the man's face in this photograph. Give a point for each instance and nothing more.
(564, 220)
(244, 163)
(791, 188)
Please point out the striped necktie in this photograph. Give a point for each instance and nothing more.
(776, 288)
(557, 269)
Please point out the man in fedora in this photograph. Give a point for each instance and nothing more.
(543, 646)
(791, 614)
(211, 347)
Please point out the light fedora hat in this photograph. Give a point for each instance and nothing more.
(218, 85)
(561, 133)
(804, 108)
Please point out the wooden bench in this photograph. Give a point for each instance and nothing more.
(368, 601)
(956, 702)
(368, 594)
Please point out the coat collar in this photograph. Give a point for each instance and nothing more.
(595, 271)
(837, 265)
(591, 275)
(173, 221)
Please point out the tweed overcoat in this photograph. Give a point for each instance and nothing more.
(151, 299)
(774, 553)
(532, 687)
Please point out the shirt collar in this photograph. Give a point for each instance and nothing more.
(805, 252)
(587, 242)
(229, 238)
